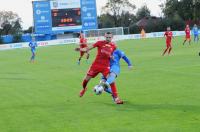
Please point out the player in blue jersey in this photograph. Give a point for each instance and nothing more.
(32, 45)
(195, 32)
(114, 69)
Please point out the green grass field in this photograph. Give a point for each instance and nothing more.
(161, 94)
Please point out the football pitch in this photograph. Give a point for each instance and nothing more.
(161, 94)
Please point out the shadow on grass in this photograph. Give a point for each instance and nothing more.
(129, 106)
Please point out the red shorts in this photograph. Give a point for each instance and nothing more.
(168, 44)
(96, 69)
(187, 37)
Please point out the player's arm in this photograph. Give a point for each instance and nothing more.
(29, 44)
(90, 47)
(126, 59)
(165, 34)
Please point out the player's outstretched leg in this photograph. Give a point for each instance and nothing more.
(84, 84)
(110, 78)
(107, 88)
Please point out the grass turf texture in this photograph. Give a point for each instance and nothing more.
(160, 93)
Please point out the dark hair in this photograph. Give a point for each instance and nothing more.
(108, 33)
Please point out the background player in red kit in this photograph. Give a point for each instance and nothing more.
(168, 35)
(83, 44)
(101, 63)
(187, 34)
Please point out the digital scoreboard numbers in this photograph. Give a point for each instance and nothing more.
(66, 17)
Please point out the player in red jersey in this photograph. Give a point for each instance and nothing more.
(168, 35)
(83, 44)
(101, 64)
(187, 34)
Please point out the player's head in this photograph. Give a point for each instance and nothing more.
(187, 26)
(168, 28)
(195, 25)
(108, 36)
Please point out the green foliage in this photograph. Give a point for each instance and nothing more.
(143, 12)
(115, 8)
(29, 30)
(10, 23)
(187, 9)
(106, 21)
(176, 23)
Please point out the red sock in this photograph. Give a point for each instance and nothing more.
(114, 90)
(84, 83)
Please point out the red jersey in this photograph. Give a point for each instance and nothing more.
(187, 31)
(83, 43)
(104, 53)
(169, 36)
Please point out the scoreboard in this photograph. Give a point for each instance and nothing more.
(64, 15)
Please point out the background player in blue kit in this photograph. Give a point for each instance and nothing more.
(195, 32)
(114, 69)
(33, 45)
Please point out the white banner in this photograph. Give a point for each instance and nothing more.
(90, 40)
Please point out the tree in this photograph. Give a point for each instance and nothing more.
(143, 12)
(105, 21)
(127, 19)
(29, 30)
(10, 23)
(187, 9)
(115, 8)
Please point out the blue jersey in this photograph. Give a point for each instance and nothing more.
(195, 30)
(117, 55)
(32, 45)
(115, 61)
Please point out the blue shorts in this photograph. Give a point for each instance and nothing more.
(115, 69)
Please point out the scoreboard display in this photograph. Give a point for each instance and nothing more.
(64, 15)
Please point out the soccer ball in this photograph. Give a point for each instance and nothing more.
(98, 89)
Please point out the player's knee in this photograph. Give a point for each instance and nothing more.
(113, 74)
(87, 78)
